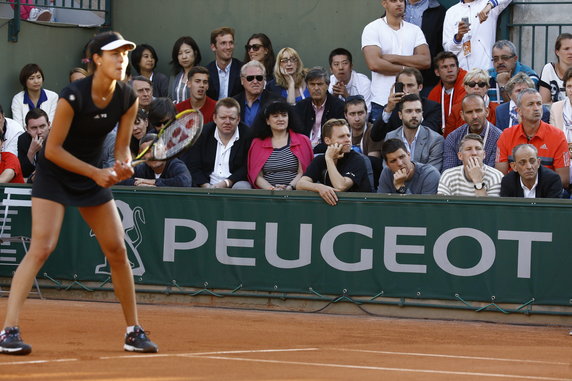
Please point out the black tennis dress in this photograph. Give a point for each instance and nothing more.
(89, 127)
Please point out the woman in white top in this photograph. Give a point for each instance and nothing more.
(184, 56)
(551, 86)
(33, 95)
(561, 111)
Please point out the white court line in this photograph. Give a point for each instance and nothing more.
(452, 356)
(35, 362)
(405, 370)
(194, 354)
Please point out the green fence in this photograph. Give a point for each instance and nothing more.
(485, 250)
(534, 40)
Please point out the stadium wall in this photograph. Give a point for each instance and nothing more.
(508, 255)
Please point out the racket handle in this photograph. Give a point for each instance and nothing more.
(135, 163)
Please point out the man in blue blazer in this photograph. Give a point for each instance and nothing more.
(424, 144)
(506, 115)
(224, 71)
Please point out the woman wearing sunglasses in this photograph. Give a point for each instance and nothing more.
(259, 48)
(476, 82)
(279, 153)
(289, 74)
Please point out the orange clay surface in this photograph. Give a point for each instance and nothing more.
(83, 341)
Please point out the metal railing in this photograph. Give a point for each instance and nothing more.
(103, 6)
(534, 40)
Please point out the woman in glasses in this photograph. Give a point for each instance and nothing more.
(476, 82)
(289, 74)
(279, 153)
(184, 56)
(144, 60)
(259, 48)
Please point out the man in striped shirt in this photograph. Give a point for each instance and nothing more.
(473, 177)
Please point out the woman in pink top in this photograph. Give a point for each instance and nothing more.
(279, 154)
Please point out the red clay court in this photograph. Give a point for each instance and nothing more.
(83, 341)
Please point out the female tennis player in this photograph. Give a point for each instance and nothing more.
(68, 175)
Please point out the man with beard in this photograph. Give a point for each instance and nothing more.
(528, 178)
(31, 142)
(474, 112)
(424, 144)
(198, 84)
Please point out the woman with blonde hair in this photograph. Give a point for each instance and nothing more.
(289, 74)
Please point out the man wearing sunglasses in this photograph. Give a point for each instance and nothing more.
(255, 97)
(505, 66)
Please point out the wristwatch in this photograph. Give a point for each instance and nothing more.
(402, 189)
(480, 186)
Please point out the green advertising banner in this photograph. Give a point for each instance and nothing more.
(506, 250)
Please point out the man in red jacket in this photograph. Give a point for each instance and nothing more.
(450, 89)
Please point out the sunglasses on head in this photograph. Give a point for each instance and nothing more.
(473, 84)
(251, 78)
(255, 47)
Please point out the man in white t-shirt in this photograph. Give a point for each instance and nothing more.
(469, 31)
(389, 44)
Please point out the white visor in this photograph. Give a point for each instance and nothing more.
(118, 44)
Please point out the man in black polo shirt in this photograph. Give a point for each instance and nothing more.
(340, 169)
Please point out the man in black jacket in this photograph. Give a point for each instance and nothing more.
(218, 158)
(320, 107)
(411, 81)
(224, 71)
(528, 178)
(428, 15)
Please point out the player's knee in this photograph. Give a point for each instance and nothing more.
(116, 254)
(40, 253)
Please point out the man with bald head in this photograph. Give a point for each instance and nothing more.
(474, 112)
(528, 178)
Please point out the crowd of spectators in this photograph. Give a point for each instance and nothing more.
(448, 110)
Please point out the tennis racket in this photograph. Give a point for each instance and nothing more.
(174, 138)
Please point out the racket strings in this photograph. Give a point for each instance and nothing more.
(175, 137)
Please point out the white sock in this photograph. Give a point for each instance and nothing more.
(130, 329)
